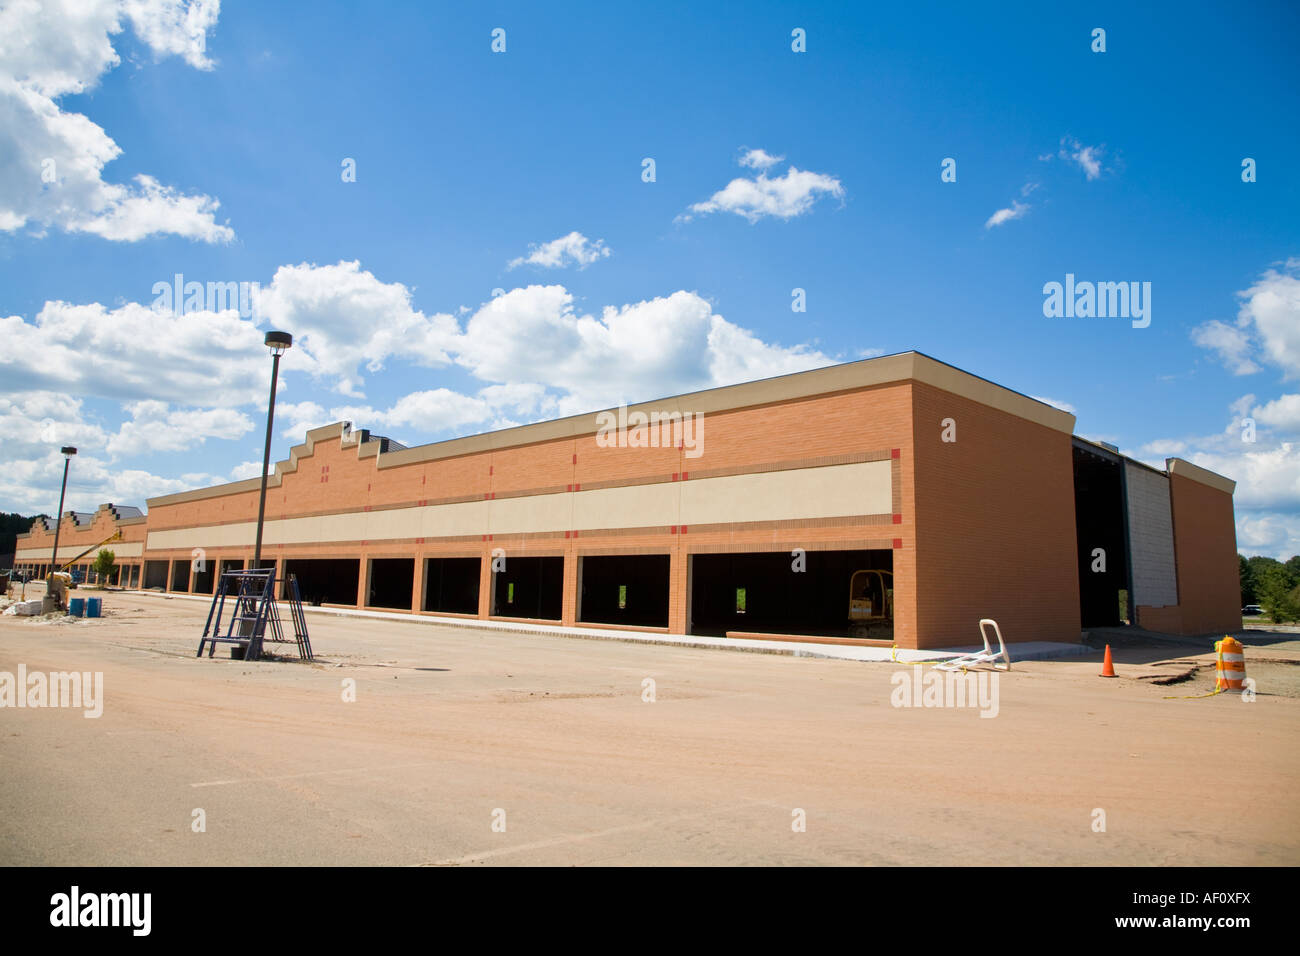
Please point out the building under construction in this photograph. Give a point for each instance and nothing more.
(894, 499)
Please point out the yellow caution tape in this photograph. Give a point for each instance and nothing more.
(1217, 690)
(1218, 668)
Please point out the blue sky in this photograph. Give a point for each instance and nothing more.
(1123, 165)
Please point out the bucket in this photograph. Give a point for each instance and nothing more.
(94, 606)
(76, 606)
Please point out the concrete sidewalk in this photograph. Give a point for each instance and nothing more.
(1023, 651)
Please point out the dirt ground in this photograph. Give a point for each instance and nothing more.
(469, 747)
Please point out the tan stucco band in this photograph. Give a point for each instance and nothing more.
(827, 492)
(1185, 469)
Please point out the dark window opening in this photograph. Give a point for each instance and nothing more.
(529, 587)
(761, 592)
(325, 580)
(627, 589)
(451, 585)
(392, 583)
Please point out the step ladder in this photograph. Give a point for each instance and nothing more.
(253, 609)
(298, 618)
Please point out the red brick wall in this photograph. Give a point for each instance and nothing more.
(995, 525)
(1205, 547)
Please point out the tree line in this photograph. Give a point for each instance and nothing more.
(11, 526)
(1272, 584)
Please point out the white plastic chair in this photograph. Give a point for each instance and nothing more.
(987, 656)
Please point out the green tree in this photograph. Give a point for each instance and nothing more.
(1248, 583)
(103, 565)
(1259, 567)
(1277, 594)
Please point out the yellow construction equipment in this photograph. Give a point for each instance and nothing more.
(871, 605)
(59, 582)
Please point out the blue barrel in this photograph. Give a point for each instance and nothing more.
(76, 606)
(93, 606)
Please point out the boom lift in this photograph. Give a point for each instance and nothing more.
(60, 582)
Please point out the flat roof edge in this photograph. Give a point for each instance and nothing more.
(1185, 469)
(898, 368)
(848, 376)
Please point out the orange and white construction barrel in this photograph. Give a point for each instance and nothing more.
(1230, 667)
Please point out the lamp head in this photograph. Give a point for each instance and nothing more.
(279, 342)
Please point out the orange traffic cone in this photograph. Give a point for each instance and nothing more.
(1107, 668)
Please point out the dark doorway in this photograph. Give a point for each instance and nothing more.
(763, 592)
(451, 585)
(392, 583)
(181, 575)
(529, 587)
(326, 580)
(203, 577)
(155, 574)
(1102, 537)
(627, 589)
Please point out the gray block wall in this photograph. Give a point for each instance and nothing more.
(1151, 537)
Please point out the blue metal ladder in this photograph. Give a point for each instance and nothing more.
(254, 607)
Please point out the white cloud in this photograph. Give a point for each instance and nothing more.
(1055, 403)
(133, 352)
(432, 410)
(1164, 448)
(1232, 344)
(294, 419)
(575, 248)
(52, 161)
(634, 352)
(1271, 310)
(247, 469)
(342, 317)
(1282, 413)
(524, 398)
(782, 197)
(181, 380)
(1267, 473)
(155, 426)
(1267, 329)
(759, 159)
(31, 485)
(31, 423)
(1016, 210)
(172, 28)
(152, 210)
(1269, 534)
(1087, 158)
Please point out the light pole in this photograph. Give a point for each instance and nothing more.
(67, 451)
(278, 343)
